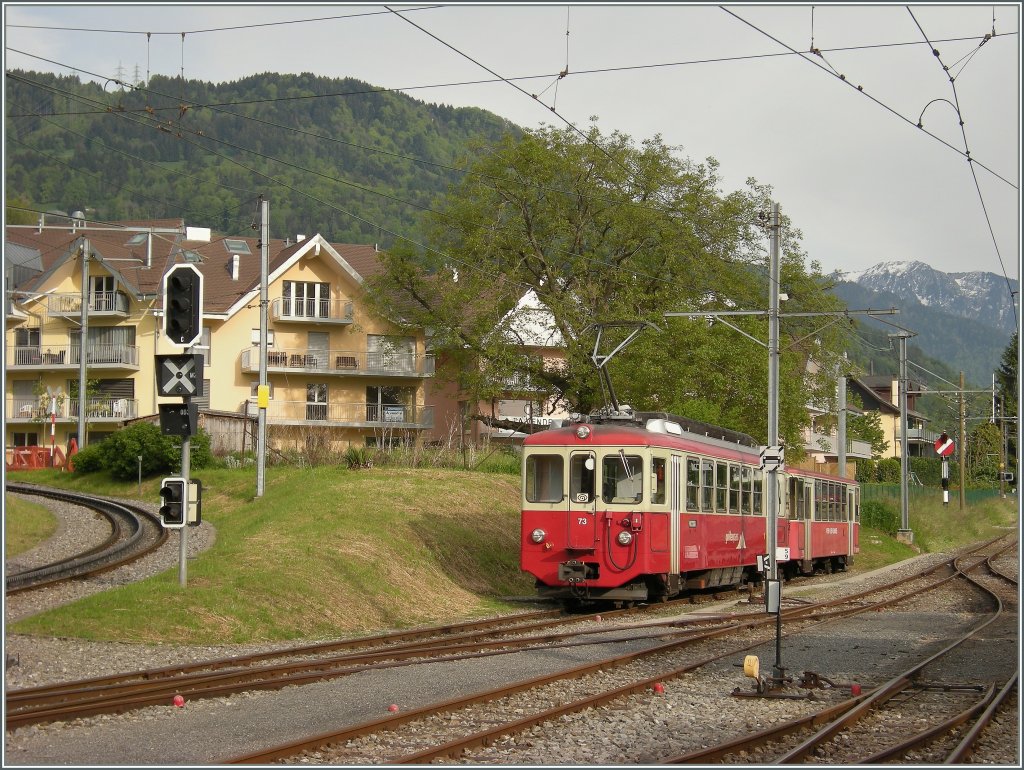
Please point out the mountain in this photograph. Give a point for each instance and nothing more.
(338, 156)
(963, 320)
(978, 296)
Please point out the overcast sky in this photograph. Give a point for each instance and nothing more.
(849, 166)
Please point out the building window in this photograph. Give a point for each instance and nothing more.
(306, 299)
(388, 403)
(255, 338)
(253, 386)
(316, 401)
(26, 439)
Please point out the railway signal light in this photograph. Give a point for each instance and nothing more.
(179, 419)
(173, 509)
(183, 305)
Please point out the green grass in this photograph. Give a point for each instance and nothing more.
(328, 551)
(26, 525)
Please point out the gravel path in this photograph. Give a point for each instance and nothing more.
(632, 732)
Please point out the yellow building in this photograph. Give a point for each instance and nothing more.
(337, 375)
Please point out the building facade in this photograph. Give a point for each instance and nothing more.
(337, 375)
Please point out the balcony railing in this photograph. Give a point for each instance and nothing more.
(855, 448)
(311, 310)
(99, 303)
(56, 356)
(33, 408)
(920, 434)
(343, 362)
(396, 416)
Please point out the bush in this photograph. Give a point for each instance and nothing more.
(90, 459)
(120, 453)
(358, 457)
(877, 515)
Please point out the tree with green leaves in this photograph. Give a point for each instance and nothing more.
(603, 230)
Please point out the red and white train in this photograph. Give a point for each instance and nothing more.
(644, 507)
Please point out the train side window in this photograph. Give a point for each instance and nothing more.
(757, 499)
(844, 503)
(707, 485)
(622, 478)
(582, 477)
(658, 481)
(721, 487)
(735, 490)
(692, 484)
(747, 478)
(544, 478)
(819, 501)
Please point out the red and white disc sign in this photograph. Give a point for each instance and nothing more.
(944, 445)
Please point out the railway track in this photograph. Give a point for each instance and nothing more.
(466, 727)
(426, 734)
(134, 533)
(922, 715)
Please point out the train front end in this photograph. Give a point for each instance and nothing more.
(585, 527)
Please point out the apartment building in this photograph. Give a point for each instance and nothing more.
(338, 376)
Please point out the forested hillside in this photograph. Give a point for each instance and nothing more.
(335, 156)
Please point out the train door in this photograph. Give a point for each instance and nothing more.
(582, 524)
(675, 487)
(853, 525)
(804, 487)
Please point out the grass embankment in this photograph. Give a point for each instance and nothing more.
(25, 525)
(328, 552)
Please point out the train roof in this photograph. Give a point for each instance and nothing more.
(650, 429)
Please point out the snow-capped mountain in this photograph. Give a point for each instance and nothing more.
(963, 320)
(979, 296)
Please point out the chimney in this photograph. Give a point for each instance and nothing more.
(235, 260)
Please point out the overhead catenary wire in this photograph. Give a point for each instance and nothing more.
(506, 79)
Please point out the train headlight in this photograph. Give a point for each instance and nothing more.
(538, 535)
(625, 538)
(583, 431)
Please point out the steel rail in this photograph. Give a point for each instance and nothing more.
(119, 549)
(839, 716)
(124, 692)
(965, 748)
(455, 747)
(886, 691)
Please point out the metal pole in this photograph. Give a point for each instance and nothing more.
(261, 425)
(907, 535)
(773, 426)
(963, 446)
(841, 428)
(84, 323)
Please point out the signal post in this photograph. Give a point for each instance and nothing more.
(181, 375)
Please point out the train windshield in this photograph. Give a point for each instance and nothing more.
(543, 478)
(622, 479)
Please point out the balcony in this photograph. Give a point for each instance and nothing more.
(32, 409)
(386, 416)
(855, 448)
(317, 311)
(100, 304)
(99, 356)
(345, 363)
(921, 435)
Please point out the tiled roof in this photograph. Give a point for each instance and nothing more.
(128, 258)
